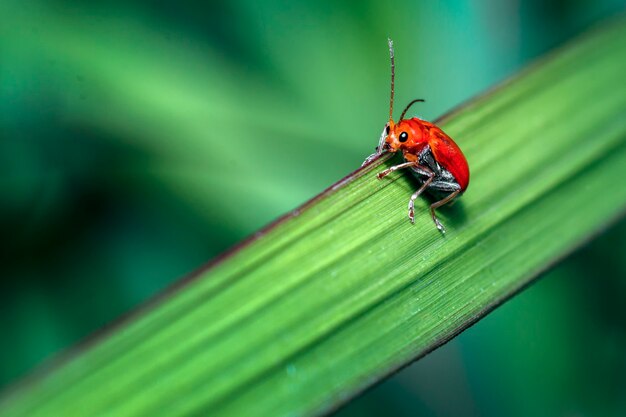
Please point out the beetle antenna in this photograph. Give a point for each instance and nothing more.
(409, 105)
(393, 75)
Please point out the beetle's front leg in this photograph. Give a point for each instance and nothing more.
(389, 170)
(380, 149)
(371, 158)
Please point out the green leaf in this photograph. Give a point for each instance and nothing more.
(343, 291)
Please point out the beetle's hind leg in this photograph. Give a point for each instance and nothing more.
(440, 203)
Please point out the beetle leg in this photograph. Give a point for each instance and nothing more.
(440, 203)
(415, 164)
(416, 194)
(389, 170)
(380, 149)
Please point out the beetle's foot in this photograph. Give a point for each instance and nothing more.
(370, 158)
(383, 174)
(439, 226)
(411, 212)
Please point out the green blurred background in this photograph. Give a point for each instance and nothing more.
(140, 139)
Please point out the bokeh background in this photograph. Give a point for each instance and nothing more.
(139, 139)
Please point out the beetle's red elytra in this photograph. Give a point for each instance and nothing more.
(433, 157)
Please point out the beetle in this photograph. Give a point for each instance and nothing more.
(432, 156)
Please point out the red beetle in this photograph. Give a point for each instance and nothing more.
(433, 157)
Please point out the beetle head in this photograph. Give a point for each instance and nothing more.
(393, 143)
(400, 136)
